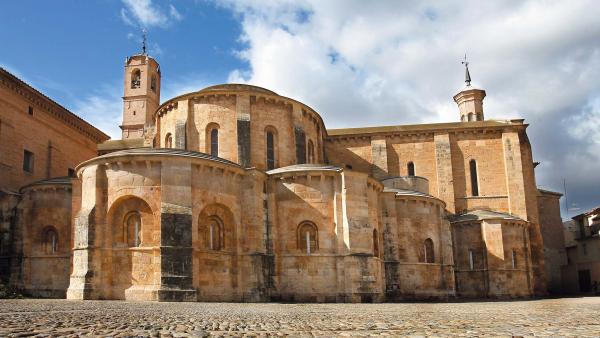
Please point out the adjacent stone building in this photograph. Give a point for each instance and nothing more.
(41, 143)
(582, 272)
(236, 193)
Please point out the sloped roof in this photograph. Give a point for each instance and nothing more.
(64, 180)
(478, 215)
(304, 167)
(163, 151)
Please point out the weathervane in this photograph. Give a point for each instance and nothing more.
(143, 41)
(467, 75)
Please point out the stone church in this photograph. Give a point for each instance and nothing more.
(236, 193)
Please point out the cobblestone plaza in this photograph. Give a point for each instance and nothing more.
(54, 318)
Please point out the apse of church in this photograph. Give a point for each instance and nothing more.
(236, 193)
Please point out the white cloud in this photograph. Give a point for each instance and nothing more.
(146, 14)
(175, 13)
(387, 62)
(103, 109)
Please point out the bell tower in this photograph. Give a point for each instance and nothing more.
(142, 93)
(470, 99)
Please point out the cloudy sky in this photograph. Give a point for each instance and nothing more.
(356, 62)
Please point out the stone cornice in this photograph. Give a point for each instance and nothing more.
(256, 93)
(426, 130)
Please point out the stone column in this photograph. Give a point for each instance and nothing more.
(443, 166)
(516, 185)
(86, 276)
(179, 137)
(176, 275)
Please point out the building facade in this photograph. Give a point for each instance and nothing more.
(240, 194)
(236, 193)
(41, 143)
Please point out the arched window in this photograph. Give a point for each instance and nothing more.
(462, 118)
(410, 167)
(311, 152)
(428, 254)
(474, 179)
(49, 240)
(514, 259)
(133, 228)
(471, 117)
(375, 243)
(270, 150)
(136, 77)
(307, 238)
(212, 233)
(214, 142)
(169, 141)
(153, 83)
(471, 259)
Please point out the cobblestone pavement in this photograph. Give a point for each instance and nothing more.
(54, 318)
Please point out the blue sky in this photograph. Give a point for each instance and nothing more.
(358, 63)
(70, 48)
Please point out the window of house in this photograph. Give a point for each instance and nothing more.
(28, 161)
(410, 167)
(471, 117)
(474, 178)
(133, 226)
(30, 110)
(71, 172)
(136, 77)
(471, 259)
(307, 238)
(49, 240)
(169, 141)
(270, 150)
(375, 243)
(428, 253)
(214, 142)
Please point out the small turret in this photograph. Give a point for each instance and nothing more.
(470, 99)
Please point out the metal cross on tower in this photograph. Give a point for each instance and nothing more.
(467, 75)
(144, 42)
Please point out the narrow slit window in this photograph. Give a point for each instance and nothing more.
(428, 254)
(311, 152)
(50, 241)
(270, 151)
(215, 235)
(474, 178)
(307, 238)
(375, 243)
(133, 224)
(471, 260)
(411, 169)
(514, 259)
(28, 161)
(214, 142)
(169, 141)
